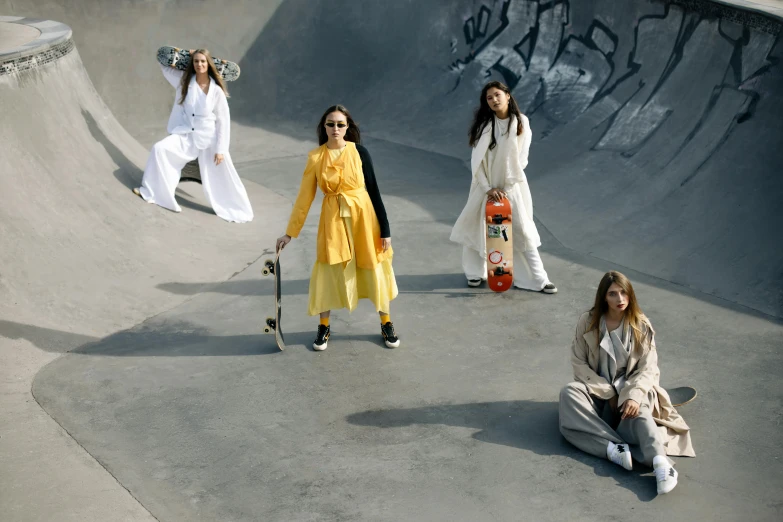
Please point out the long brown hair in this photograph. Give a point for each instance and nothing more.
(484, 115)
(633, 314)
(191, 71)
(351, 134)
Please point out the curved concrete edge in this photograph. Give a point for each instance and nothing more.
(53, 36)
(768, 7)
(50, 474)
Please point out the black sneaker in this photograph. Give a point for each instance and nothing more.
(321, 338)
(549, 289)
(389, 337)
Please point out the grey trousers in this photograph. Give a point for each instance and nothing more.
(586, 422)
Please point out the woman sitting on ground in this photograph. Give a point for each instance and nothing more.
(616, 407)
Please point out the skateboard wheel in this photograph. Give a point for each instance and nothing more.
(271, 324)
(269, 267)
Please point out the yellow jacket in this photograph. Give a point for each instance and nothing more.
(341, 179)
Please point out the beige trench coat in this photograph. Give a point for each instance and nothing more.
(642, 376)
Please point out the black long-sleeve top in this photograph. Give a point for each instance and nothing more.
(372, 189)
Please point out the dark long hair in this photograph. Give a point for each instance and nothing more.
(351, 134)
(484, 115)
(633, 313)
(191, 71)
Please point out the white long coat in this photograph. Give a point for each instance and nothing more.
(207, 118)
(507, 174)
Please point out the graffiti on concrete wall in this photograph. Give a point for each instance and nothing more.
(626, 75)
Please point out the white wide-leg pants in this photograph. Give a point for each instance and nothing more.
(529, 272)
(221, 183)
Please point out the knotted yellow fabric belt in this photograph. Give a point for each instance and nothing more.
(332, 234)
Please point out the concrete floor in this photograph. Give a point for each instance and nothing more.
(170, 404)
(200, 415)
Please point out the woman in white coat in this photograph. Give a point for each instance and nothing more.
(500, 137)
(199, 128)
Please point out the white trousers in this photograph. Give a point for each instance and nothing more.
(529, 270)
(221, 183)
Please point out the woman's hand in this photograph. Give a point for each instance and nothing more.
(630, 409)
(386, 242)
(496, 194)
(282, 241)
(218, 159)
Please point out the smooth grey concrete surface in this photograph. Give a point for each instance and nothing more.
(81, 258)
(14, 35)
(668, 141)
(459, 423)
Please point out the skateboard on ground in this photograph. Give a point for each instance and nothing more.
(272, 324)
(681, 395)
(500, 254)
(180, 60)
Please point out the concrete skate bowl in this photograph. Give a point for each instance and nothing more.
(655, 148)
(655, 121)
(73, 237)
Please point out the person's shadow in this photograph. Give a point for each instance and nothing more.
(521, 424)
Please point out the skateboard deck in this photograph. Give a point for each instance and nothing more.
(681, 395)
(180, 60)
(272, 324)
(500, 253)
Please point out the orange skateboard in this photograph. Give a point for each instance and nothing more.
(500, 254)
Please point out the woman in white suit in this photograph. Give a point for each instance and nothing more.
(500, 137)
(199, 128)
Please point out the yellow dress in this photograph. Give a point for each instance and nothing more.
(346, 211)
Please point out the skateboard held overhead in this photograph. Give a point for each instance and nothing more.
(500, 253)
(180, 60)
(272, 324)
(681, 395)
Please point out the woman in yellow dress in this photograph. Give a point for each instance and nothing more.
(354, 258)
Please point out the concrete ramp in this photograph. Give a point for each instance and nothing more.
(75, 240)
(656, 152)
(656, 123)
(80, 258)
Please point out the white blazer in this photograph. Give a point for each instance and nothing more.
(205, 117)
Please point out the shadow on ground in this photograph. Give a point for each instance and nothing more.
(528, 425)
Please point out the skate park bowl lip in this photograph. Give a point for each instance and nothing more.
(14, 36)
(22, 37)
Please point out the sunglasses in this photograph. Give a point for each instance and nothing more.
(340, 125)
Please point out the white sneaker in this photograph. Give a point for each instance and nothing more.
(474, 282)
(665, 474)
(620, 454)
